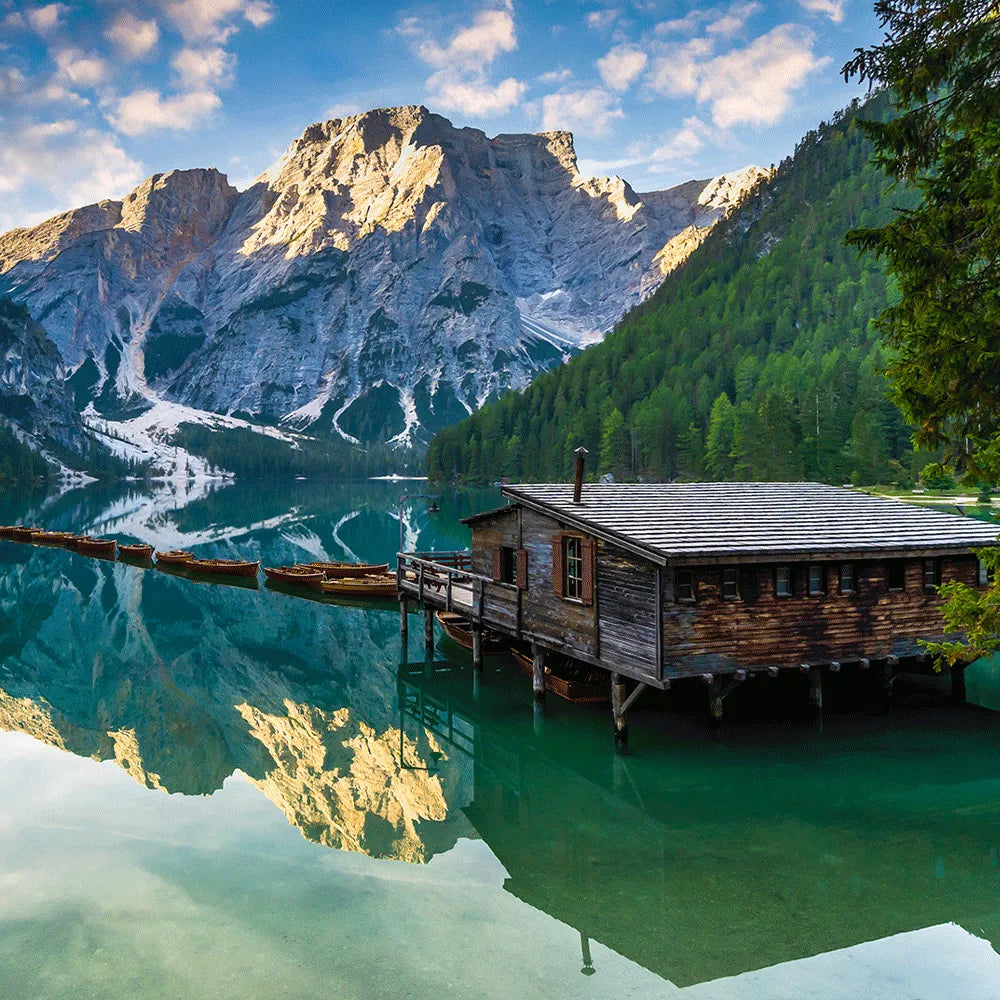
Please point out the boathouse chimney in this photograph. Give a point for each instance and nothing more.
(581, 460)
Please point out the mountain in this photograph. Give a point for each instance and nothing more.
(37, 414)
(754, 360)
(383, 279)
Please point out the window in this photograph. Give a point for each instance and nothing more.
(895, 575)
(985, 574)
(684, 585)
(817, 581)
(730, 583)
(508, 564)
(847, 578)
(573, 556)
(783, 581)
(932, 573)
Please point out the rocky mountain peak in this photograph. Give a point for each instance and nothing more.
(387, 275)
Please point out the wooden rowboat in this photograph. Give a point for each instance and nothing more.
(54, 538)
(346, 570)
(22, 534)
(138, 551)
(224, 567)
(296, 576)
(174, 557)
(374, 585)
(104, 548)
(569, 679)
(459, 630)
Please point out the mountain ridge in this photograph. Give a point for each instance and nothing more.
(386, 276)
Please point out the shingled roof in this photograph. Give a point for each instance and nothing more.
(712, 521)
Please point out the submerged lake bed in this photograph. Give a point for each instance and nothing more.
(214, 791)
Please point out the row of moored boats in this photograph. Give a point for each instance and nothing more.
(371, 580)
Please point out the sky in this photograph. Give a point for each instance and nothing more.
(96, 96)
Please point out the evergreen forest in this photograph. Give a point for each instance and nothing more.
(756, 360)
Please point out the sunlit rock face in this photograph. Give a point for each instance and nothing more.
(385, 277)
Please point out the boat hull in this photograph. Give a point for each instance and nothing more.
(223, 567)
(176, 559)
(103, 548)
(291, 577)
(346, 571)
(366, 586)
(459, 630)
(570, 689)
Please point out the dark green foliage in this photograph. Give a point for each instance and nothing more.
(168, 351)
(942, 59)
(18, 462)
(469, 298)
(755, 360)
(375, 415)
(251, 455)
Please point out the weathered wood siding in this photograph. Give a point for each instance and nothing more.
(626, 610)
(717, 634)
(569, 624)
(501, 529)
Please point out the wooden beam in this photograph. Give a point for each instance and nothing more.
(429, 628)
(773, 672)
(864, 663)
(404, 624)
(477, 648)
(619, 703)
(538, 671)
(816, 688)
(835, 666)
(659, 622)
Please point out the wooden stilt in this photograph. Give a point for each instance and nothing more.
(816, 688)
(429, 629)
(477, 649)
(538, 717)
(588, 962)
(538, 672)
(715, 701)
(958, 685)
(618, 710)
(404, 625)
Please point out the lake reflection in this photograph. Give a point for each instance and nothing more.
(450, 843)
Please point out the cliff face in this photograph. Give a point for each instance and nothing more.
(34, 394)
(386, 276)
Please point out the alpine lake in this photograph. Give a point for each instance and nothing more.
(213, 791)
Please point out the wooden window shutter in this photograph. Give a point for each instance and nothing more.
(557, 564)
(522, 569)
(588, 550)
(497, 556)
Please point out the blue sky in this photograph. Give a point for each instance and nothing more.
(96, 96)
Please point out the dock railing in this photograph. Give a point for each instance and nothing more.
(446, 580)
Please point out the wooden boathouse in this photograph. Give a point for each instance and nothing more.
(716, 581)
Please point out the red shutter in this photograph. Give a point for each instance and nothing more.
(497, 563)
(522, 569)
(587, 549)
(557, 564)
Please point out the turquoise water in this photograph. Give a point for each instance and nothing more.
(210, 791)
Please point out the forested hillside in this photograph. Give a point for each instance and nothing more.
(755, 360)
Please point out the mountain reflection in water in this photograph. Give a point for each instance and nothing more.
(700, 857)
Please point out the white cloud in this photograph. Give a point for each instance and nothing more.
(479, 99)
(600, 20)
(681, 145)
(48, 18)
(753, 84)
(460, 81)
(80, 68)
(133, 37)
(620, 67)
(145, 111)
(834, 9)
(342, 110)
(585, 112)
(199, 69)
(215, 20)
(678, 70)
(556, 76)
(733, 21)
(70, 166)
(491, 33)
